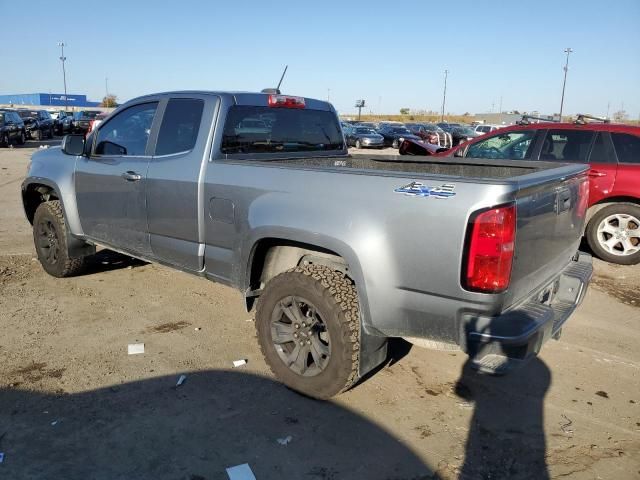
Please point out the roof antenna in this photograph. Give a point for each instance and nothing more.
(277, 89)
(282, 77)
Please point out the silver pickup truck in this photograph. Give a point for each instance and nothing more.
(257, 191)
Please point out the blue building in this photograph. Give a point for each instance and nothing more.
(47, 100)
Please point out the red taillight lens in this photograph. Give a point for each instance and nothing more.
(490, 250)
(286, 101)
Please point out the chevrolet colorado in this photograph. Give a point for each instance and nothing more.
(341, 252)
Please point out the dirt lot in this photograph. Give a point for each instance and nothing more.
(74, 405)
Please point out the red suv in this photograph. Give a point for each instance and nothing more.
(612, 151)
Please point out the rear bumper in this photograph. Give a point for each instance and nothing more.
(498, 344)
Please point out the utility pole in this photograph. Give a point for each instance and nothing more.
(329, 95)
(360, 104)
(568, 51)
(106, 86)
(64, 73)
(444, 94)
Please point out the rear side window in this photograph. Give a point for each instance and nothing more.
(601, 151)
(127, 133)
(252, 129)
(180, 125)
(567, 145)
(627, 147)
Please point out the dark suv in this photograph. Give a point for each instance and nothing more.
(82, 120)
(11, 128)
(38, 123)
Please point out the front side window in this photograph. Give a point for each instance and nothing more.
(508, 145)
(180, 125)
(128, 132)
(253, 129)
(627, 147)
(567, 145)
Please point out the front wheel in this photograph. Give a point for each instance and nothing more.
(358, 144)
(22, 139)
(39, 135)
(395, 143)
(308, 325)
(51, 240)
(614, 234)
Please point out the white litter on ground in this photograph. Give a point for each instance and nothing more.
(241, 472)
(1, 457)
(181, 380)
(135, 348)
(197, 329)
(54, 423)
(284, 441)
(239, 363)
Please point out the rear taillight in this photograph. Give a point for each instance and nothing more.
(286, 101)
(491, 243)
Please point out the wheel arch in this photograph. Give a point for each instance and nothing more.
(606, 202)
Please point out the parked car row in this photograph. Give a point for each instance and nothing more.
(441, 135)
(20, 124)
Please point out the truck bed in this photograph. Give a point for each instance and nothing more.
(392, 164)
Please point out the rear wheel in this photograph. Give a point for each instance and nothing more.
(51, 239)
(308, 324)
(614, 234)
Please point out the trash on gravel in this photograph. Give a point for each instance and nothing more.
(565, 427)
(285, 441)
(239, 363)
(249, 320)
(135, 348)
(54, 423)
(181, 380)
(241, 472)
(1, 457)
(197, 329)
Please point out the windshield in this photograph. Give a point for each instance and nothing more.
(366, 131)
(25, 114)
(401, 130)
(465, 131)
(280, 130)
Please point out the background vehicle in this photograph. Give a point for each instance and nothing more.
(93, 124)
(82, 120)
(363, 137)
(339, 250)
(62, 121)
(393, 135)
(612, 151)
(462, 134)
(486, 128)
(11, 128)
(38, 123)
(431, 133)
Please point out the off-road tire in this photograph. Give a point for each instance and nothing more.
(336, 299)
(592, 233)
(64, 265)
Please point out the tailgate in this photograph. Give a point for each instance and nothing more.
(550, 223)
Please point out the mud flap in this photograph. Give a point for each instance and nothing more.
(373, 351)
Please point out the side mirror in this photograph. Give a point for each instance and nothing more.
(73, 144)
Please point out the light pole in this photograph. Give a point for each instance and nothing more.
(568, 51)
(64, 73)
(444, 94)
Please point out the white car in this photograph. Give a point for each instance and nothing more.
(486, 128)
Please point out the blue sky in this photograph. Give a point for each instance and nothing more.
(392, 54)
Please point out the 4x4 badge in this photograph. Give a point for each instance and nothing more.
(417, 189)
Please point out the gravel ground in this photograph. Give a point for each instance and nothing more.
(74, 405)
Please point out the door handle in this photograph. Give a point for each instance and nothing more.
(131, 176)
(595, 173)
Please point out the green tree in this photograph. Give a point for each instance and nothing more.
(404, 111)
